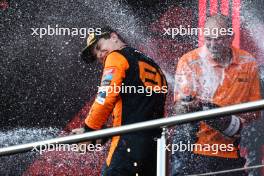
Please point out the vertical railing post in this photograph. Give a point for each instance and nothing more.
(161, 153)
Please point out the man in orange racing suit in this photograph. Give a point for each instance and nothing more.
(133, 88)
(215, 75)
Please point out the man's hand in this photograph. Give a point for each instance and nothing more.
(249, 117)
(77, 131)
(194, 104)
(80, 131)
(94, 142)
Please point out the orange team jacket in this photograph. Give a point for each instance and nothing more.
(128, 67)
(199, 76)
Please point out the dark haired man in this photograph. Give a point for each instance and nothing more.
(135, 153)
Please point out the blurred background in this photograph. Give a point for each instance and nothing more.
(46, 89)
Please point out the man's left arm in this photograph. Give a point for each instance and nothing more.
(113, 75)
(254, 95)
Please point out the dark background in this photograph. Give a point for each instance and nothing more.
(43, 81)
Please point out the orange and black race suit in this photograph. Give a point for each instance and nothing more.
(199, 76)
(133, 88)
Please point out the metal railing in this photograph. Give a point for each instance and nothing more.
(159, 123)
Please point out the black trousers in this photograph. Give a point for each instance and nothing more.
(141, 159)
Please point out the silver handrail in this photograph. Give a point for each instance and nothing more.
(164, 122)
(161, 154)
